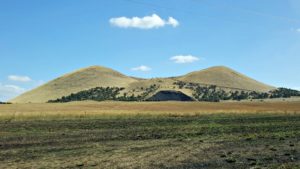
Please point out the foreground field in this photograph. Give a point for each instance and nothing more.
(179, 135)
(40, 110)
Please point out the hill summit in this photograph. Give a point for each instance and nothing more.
(79, 80)
(225, 77)
(97, 76)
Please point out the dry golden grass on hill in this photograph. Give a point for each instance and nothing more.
(225, 77)
(144, 108)
(97, 76)
(82, 79)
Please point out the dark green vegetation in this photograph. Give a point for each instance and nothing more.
(213, 93)
(105, 93)
(284, 93)
(206, 141)
(210, 93)
(98, 94)
(5, 103)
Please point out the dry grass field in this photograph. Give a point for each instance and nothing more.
(146, 108)
(150, 135)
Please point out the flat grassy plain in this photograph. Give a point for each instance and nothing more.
(150, 135)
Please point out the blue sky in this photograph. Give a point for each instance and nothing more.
(43, 39)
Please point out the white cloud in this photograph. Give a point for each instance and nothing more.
(146, 22)
(19, 78)
(173, 22)
(10, 91)
(184, 59)
(142, 68)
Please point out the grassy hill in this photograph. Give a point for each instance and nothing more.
(225, 77)
(97, 76)
(82, 79)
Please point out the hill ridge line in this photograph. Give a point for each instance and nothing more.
(100, 76)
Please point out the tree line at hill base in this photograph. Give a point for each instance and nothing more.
(212, 93)
(5, 102)
(209, 93)
(106, 93)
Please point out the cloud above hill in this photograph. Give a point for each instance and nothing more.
(16, 86)
(9, 91)
(19, 78)
(184, 59)
(146, 22)
(141, 68)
